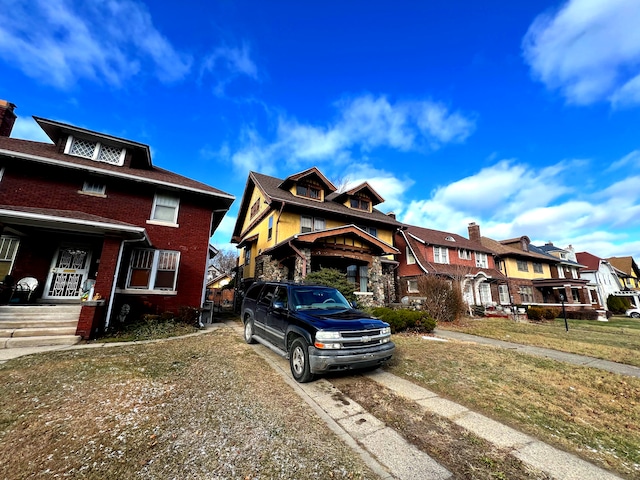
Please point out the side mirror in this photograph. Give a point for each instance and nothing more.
(279, 305)
(354, 304)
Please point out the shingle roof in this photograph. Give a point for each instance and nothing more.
(589, 260)
(40, 152)
(624, 264)
(437, 237)
(502, 250)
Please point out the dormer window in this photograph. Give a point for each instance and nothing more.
(360, 203)
(309, 191)
(95, 151)
(450, 239)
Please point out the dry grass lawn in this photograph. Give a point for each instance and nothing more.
(592, 413)
(617, 340)
(199, 407)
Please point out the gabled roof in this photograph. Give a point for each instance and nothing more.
(46, 153)
(625, 264)
(545, 251)
(278, 197)
(451, 270)
(428, 236)
(590, 261)
(363, 187)
(505, 249)
(312, 172)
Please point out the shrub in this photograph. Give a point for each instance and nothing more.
(583, 314)
(618, 305)
(441, 297)
(331, 277)
(403, 319)
(549, 313)
(535, 313)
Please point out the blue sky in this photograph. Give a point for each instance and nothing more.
(520, 116)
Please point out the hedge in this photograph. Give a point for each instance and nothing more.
(403, 319)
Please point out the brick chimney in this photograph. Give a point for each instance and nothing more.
(7, 118)
(474, 232)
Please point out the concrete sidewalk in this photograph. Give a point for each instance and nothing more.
(572, 358)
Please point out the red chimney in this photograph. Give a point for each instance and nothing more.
(7, 118)
(474, 232)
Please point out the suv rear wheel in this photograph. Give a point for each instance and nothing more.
(299, 360)
(248, 331)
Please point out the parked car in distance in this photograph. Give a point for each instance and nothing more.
(633, 313)
(315, 327)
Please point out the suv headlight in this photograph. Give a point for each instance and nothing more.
(324, 340)
(385, 331)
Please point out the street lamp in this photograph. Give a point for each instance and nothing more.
(564, 313)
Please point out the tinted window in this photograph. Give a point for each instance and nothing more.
(267, 295)
(253, 292)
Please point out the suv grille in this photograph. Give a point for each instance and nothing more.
(363, 338)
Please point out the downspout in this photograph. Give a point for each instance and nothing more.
(301, 255)
(115, 279)
(278, 222)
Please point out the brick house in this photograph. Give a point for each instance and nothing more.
(90, 217)
(425, 251)
(289, 227)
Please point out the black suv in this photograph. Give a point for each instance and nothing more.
(315, 327)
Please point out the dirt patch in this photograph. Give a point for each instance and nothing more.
(462, 453)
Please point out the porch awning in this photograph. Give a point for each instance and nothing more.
(69, 221)
(560, 282)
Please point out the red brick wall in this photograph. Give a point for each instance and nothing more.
(126, 201)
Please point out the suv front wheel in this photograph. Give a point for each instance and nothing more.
(248, 331)
(299, 360)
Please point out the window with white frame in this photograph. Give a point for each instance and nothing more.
(8, 250)
(153, 269)
(503, 292)
(523, 266)
(96, 151)
(412, 286)
(310, 224)
(358, 276)
(165, 208)
(94, 188)
(464, 254)
(411, 260)
(484, 289)
(440, 254)
(481, 260)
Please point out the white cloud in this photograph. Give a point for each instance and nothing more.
(363, 124)
(227, 63)
(589, 50)
(61, 41)
(510, 199)
(631, 160)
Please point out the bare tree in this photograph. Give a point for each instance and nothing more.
(225, 261)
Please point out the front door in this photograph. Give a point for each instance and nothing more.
(69, 271)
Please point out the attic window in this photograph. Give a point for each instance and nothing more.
(450, 239)
(360, 203)
(96, 151)
(308, 191)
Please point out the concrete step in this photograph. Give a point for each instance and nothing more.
(43, 332)
(42, 341)
(40, 322)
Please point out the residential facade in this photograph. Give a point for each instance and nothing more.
(534, 277)
(289, 227)
(603, 277)
(425, 251)
(89, 215)
(629, 267)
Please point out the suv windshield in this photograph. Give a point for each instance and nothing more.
(306, 298)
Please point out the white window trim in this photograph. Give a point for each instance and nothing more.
(411, 258)
(482, 260)
(412, 290)
(443, 255)
(153, 272)
(11, 238)
(154, 221)
(464, 254)
(96, 152)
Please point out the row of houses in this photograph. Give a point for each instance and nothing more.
(88, 219)
(289, 227)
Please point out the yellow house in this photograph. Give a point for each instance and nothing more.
(288, 228)
(535, 277)
(628, 265)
